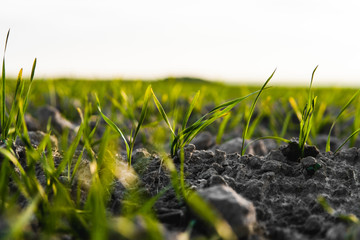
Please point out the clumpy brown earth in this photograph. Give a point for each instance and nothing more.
(281, 186)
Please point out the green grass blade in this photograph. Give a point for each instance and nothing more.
(222, 128)
(285, 124)
(2, 101)
(114, 127)
(17, 227)
(14, 106)
(187, 134)
(4, 180)
(190, 109)
(347, 139)
(162, 112)
(77, 164)
(327, 149)
(30, 85)
(13, 159)
(143, 112)
(245, 131)
(70, 151)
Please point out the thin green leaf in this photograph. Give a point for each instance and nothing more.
(190, 109)
(113, 126)
(222, 128)
(245, 131)
(13, 159)
(143, 111)
(17, 227)
(76, 166)
(15, 104)
(162, 112)
(2, 101)
(347, 139)
(71, 151)
(30, 85)
(327, 149)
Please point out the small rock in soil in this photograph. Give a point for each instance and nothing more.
(231, 146)
(58, 122)
(236, 210)
(203, 141)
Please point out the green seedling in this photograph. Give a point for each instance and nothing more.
(2, 101)
(184, 136)
(13, 119)
(129, 144)
(306, 117)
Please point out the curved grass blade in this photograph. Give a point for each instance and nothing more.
(71, 150)
(2, 101)
(327, 149)
(30, 85)
(347, 139)
(190, 109)
(244, 135)
(14, 160)
(162, 112)
(222, 128)
(113, 126)
(17, 227)
(14, 106)
(189, 133)
(295, 107)
(143, 113)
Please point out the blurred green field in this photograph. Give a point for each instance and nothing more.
(122, 100)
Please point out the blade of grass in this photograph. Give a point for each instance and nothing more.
(142, 115)
(347, 139)
(186, 135)
(190, 109)
(162, 112)
(222, 128)
(245, 131)
(14, 106)
(295, 107)
(68, 156)
(327, 149)
(26, 98)
(114, 127)
(17, 227)
(4, 179)
(2, 101)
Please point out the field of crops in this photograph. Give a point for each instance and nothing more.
(178, 158)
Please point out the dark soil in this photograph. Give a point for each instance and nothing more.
(282, 186)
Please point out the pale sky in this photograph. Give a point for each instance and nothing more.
(228, 40)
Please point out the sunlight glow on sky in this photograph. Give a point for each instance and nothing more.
(234, 41)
